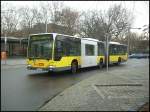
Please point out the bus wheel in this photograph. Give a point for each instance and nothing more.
(101, 64)
(74, 67)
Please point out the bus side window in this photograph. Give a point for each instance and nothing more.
(69, 46)
(78, 47)
(89, 50)
(103, 51)
(119, 50)
(124, 50)
(100, 49)
(114, 50)
(111, 49)
(72, 47)
(58, 50)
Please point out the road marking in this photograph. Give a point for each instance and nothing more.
(103, 92)
(98, 91)
(120, 84)
(123, 77)
(114, 97)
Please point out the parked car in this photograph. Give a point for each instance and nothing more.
(139, 55)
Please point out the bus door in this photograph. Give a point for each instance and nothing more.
(88, 53)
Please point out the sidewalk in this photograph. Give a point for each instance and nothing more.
(9, 63)
(115, 90)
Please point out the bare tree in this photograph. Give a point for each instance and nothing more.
(118, 21)
(50, 13)
(55, 10)
(54, 14)
(92, 25)
(69, 18)
(9, 19)
(43, 14)
(28, 19)
(114, 22)
(138, 43)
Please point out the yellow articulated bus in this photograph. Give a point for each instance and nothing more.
(117, 53)
(58, 52)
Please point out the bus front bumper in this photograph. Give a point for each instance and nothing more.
(50, 68)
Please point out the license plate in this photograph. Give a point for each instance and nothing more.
(41, 64)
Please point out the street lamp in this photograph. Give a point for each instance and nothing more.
(107, 49)
(46, 26)
(108, 39)
(5, 47)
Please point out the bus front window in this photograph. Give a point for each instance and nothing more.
(40, 46)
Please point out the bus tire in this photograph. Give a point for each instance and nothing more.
(74, 67)
(100, 64)
(119, 61)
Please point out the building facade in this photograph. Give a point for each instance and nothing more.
(14, 46)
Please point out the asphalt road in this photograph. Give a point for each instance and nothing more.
(22, 89)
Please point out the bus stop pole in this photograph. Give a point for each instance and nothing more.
(5, 48)
(46, 26)
(128, 42)
(107, 51)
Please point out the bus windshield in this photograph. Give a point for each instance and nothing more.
(40, 46)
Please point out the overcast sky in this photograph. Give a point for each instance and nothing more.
(140, 9)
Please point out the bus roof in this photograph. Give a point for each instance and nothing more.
(40, 34)
(91, 39)
(53, 34)
(116, 43)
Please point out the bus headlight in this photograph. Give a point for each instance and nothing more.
(29, 65)
(51, 66)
